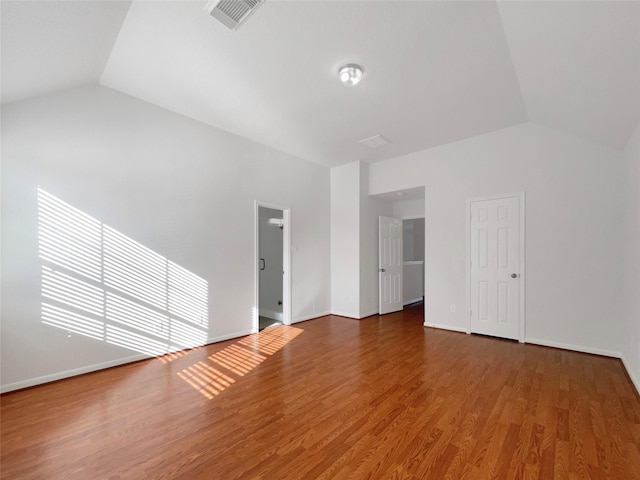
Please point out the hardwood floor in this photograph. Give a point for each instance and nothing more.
(334, 398)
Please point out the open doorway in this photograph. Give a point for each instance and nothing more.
(408, 206)
(413, 260)
(272, 266)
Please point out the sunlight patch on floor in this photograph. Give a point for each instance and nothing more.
(271, 339)
(237, 359)
(172, 356)
(223, 368)
(206, 379)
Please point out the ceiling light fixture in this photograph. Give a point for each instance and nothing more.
(351, 74)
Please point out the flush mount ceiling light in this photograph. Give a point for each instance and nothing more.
(351, 74)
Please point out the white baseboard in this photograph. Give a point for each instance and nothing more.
(634, 379)
(356, 317)
(229, 336)
(415, 300)
(575, 348)
(271, 314)
(310, 317)
(347, 315)
(343, 314)
(32, 382)
(565, 346)
(445, 327)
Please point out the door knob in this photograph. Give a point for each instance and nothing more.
(514, 275)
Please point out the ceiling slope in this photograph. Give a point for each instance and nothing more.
(54, 45)
(578, 64)
(435, 72)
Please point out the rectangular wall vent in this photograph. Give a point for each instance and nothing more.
(232, 13)
(375, 141)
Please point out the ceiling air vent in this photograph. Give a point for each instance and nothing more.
(375, 141)
(232, 13)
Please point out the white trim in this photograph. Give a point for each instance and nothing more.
(634, 379)
(342, 314)
(409, 302)
(358, 316)
(575, 348)
(304, 318)
(229, 336)
(32, 382)
(286, 261)
(446, 327)
(522, 272)
(467, 249)
(286, 266)
(523, 269)
(424, 268)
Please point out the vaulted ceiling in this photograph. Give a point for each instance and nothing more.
(435, 72)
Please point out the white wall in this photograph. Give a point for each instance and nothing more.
(412, 281)
(271, 243)
(573, 227)
(179, 187)
(631, 259)
(409, 209)
(345, 240)
(413, 239)
(370, 211)
(354, 241)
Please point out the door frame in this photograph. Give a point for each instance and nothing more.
(521, 275)
(286, 263)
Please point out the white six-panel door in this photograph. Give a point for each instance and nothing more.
(390, 264)
(495, 276)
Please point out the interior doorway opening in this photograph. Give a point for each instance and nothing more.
(413, 260)
(409, 206)
(273, 291)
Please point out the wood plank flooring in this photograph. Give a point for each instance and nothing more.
(334, 398)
